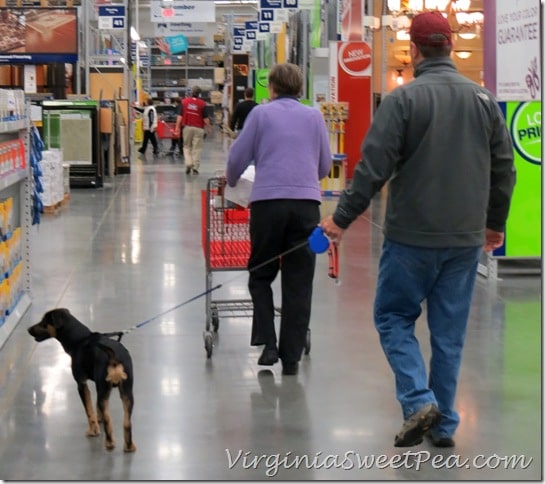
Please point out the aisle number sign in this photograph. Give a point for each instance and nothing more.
(272, 15)
(111, 17)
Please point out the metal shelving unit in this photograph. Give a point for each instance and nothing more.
(17, 184)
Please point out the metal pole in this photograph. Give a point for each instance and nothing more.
(384, 53)
(87, 17)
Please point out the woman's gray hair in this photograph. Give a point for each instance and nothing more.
(286, 79)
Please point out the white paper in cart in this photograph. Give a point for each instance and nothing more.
(240, 193)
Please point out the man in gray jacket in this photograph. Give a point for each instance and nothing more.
(442, 143)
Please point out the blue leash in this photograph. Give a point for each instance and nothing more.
(317, 242)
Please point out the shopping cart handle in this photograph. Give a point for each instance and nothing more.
(317, 241)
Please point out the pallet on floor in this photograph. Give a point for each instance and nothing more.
(49, 209)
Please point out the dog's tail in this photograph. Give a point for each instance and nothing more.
(116, 371)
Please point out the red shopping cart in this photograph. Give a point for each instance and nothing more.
(226, 245)
(225, 234)
(166, 128)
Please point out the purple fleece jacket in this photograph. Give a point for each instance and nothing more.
(288, 143)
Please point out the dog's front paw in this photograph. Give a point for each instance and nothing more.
(130, 448)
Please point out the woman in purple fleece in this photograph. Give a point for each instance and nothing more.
(288, 143)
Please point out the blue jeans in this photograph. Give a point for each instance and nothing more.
(445, 278)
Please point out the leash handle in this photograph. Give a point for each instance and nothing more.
(333, 254)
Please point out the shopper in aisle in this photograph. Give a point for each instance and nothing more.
(178, 140)
(195, 123)
(241, 111)
(149, 125)
(288, 143)
(442, 143)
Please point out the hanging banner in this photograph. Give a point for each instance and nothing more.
(183, 11)
(518, 66)
(350, 81)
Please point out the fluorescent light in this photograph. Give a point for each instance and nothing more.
(235, 2)
(134, 34)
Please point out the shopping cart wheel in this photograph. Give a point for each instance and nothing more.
(208, 343)
(307, 343)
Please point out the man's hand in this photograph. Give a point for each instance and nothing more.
(493, 240)
(331, 229)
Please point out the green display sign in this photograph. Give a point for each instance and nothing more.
(261, 85)
(523, 231)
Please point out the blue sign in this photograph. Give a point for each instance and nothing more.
(251, 34)
(111, 11)
(266, 15)
(177, 43)
(238, 40)
(111, 17)
(264, 27)
(251, 25)
(290, 3)
(270, 4)
(239, 32)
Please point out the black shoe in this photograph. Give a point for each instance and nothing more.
(155, 152)
(441, 441)
(290, 368)
(141, 151)
(188, 170)
(268, 357)
(414, 428)
(195, 171)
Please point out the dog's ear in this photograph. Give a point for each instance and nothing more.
(57, 317)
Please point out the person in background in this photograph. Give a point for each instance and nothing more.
(442, 143)
(290, 158)
(242, 109)
(178, 140)
(149, 125)
(195, 122)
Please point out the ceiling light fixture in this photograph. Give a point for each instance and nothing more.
(463, 54)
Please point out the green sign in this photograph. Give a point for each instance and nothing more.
(523, 230)
(261, 85)
(526, 131)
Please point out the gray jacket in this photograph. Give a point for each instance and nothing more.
(442, 143)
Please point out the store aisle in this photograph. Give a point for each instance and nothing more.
(119, 255)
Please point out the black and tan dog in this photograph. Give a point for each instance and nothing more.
(97, 357)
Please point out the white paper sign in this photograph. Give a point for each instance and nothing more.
(518, 72)
(183, 11)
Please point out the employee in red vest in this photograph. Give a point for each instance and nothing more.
(195, 122)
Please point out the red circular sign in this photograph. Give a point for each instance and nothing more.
(167, 12)
(355, 57)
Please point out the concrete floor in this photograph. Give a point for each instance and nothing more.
(122, 254)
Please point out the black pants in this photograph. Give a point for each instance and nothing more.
(179, 142)
(150, 136)
(276, 226)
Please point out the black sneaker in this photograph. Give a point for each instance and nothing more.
(290, 368)
(413, 429)
(141, 151)
(195, 171)
(188, 170)
(268, 357)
